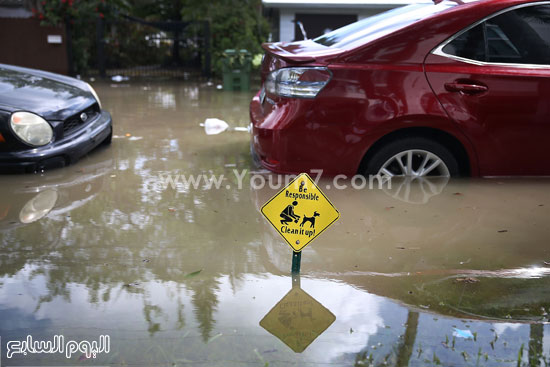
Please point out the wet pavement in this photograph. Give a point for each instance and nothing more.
(426, 273)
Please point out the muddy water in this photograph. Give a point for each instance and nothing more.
(422, 273)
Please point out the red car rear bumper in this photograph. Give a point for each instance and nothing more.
(292, 136)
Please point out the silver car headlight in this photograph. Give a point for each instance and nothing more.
(31, 128)
(92, 90)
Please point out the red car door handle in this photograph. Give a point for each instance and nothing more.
(466, 88)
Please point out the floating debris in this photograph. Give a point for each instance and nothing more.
(466, 334)
(193, 274)
(469, 280)
(119, 78)
(213, 126)
(214, 338)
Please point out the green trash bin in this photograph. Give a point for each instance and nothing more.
(236, 70)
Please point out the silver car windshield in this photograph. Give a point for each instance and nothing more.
(382, 24)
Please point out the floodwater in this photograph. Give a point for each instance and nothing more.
(422, 273)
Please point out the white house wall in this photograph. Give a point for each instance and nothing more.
(286, 24)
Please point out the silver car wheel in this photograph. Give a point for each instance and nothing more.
(414, 163)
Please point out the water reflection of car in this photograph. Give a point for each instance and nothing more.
(441, 89)
(47, 120)
(27, 200)
(415, 190)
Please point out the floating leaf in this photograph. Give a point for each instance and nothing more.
(193, 274)
(520, 354)
(214, 338)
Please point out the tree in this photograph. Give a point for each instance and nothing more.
(80, 17)
(234, 24)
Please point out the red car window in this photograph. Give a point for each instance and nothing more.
(518, 36)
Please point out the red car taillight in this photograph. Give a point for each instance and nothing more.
(299, 82)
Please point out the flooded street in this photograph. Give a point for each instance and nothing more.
(438, 272)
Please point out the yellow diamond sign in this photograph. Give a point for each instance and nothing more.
(300, 212)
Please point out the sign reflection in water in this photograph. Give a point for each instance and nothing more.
(297, 319)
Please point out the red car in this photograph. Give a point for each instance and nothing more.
(450, 88)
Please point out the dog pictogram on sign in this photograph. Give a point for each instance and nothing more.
(300, 212)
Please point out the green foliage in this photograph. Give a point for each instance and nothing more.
(56, 12)
(81, 16)
(234, 24)
(257, 60)
(157, 10)
(125, 44)
(237, 60)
